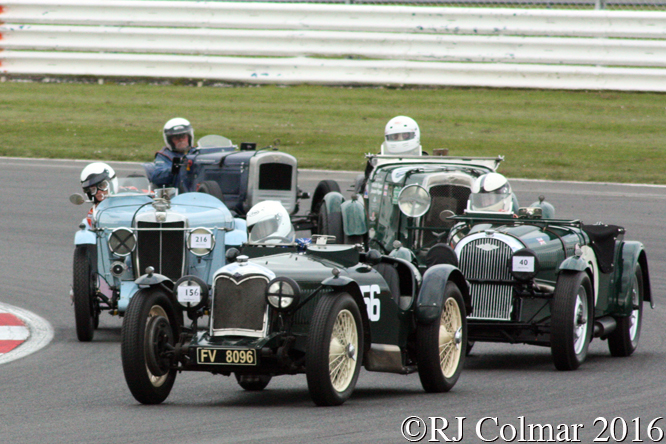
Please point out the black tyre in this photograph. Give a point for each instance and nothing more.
(147, 338)
(86, 314)
(253, 383)
(441, 345)
(211, 187)
(571, 320)
(334, 349)
(624, 339)
(330, 224)
(323, 188)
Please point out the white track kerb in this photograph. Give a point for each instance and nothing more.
(41, 333)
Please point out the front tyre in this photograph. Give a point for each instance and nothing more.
(624, 339)
(441, 345)
(85, 312)
(147, 340)
(571, 320)
(334, 349)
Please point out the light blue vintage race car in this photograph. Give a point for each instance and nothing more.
(136, 231)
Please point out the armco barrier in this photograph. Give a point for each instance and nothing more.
(336, 44)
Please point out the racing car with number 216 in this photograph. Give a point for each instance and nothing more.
(281, 307)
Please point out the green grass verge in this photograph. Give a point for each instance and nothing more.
(562, 135)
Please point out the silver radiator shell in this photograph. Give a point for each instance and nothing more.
(239, 306)
(483, 257)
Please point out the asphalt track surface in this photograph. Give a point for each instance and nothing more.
(75, 392)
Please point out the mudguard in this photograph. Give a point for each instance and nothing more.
(85, 237)
(548, 210)
(633, 253)
(344, 283)
(430, 299)
(353, 217)
(238, 236)
(574, 263)
(127, 290)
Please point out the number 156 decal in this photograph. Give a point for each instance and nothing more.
(373, 303)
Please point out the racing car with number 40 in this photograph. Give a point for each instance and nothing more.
(283, 308)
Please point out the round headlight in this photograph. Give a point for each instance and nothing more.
(524, 264)
(200, 241)
(122, 241)
(283, 293)
(414, 201)
(191, 292)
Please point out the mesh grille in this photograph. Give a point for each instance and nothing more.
(162, 250)
(488, 259)
(239, 305)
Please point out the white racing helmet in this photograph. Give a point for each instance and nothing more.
(491, 192)
(269, 222)
(402, 137)
(177, 126)
(95, 175)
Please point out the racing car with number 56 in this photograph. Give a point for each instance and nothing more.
(283, 308)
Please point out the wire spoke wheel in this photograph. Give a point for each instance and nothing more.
(623, 341)
(334, 349)
(441, 346)
(342, 353)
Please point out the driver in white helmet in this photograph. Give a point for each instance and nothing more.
(98, 180)
(402, 137)
(268, 222)
(178, 136)
(492, 192)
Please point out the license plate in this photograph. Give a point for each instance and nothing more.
(226, 356)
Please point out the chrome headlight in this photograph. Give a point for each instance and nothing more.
(283, 293)
(524, 265)
(191, 292)
(414, 200)
(122, 241)
(200, 241)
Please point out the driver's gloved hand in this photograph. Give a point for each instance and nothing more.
(175, 165)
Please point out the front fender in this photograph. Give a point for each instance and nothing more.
(574, 263)
(431, 295)
(633, 253)
(353, 217)
(343, 283)
(84, 236)
(238, 236)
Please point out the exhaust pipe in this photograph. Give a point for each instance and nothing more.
(604, 327)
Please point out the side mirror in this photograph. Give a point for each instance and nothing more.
(77, 199)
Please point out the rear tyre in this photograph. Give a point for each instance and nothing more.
(330, 224)
(571, 320)
(441, 344)
(624, 339)
(85, 311)
(334, 349)
(323, 188)
(253, 383)
(147, 340)
(211, 187)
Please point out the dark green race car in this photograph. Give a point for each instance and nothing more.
(320, 309)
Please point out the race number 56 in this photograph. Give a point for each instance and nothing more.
(371, 302)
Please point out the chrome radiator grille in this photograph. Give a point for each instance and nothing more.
(486, 259)
(239, 307)
(161, 249)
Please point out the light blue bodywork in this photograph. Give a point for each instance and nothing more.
(198, 210)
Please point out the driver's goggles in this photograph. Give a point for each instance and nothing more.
(398, 137)
(102, 186)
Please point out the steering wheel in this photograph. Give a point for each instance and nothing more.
(282, 238)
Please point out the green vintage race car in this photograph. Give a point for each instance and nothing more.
(408, 199)
(552, 282)
(320, 309)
